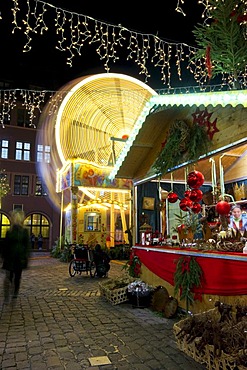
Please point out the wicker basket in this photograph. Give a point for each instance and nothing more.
(206, 356)
(113, 293)
(114, 296)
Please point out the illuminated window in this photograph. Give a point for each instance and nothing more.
(92, 221)
(22, 151)
(4, 149)
(38, 224)
(4, 225)
(43, 153)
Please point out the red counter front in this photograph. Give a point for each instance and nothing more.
(224, 274)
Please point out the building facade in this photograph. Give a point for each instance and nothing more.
(19, 155)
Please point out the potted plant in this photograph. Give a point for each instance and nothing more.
(188, 225)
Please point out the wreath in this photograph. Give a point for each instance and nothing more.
(188, 275)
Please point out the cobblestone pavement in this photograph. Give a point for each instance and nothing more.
(62, 322)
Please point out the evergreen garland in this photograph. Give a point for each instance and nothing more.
(184, 143)
(188, 275)
(223, 36)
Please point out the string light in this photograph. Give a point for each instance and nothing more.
(74, 30)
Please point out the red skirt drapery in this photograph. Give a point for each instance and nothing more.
(223, 274)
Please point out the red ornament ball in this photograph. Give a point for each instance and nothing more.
(185, 203)
(172, 197)
(196, 208)
(196, 195)
(187, 193)
(222, 207)
(195, 179)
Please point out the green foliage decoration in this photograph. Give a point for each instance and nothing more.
(184, 143)
(188, 275)
(224, 34)
(133, 266)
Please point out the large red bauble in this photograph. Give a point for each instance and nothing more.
(196, 208)
(195, 179)
(196, 195)
(223, 207)
(185, 203)
(172, 197)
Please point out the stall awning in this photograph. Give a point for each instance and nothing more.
(229, 111)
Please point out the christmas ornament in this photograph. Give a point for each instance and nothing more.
(185, 203)
(196, 207)
(172, 197)
(195, 179)
(196, 195)
(222, 207)
(187, 194)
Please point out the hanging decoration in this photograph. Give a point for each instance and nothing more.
(33, 101)
(188, 275)
(74, 30)
(223, 207)
(202, 118)
(195, 179)
(172, 197)
(185, 142)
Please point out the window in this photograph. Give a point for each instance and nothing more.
(22, 151)
(38, 224)
(4, 149)
(43, 153)
(92, 221)
(22, 118)
(4, 225)
(40, 189)
(21, 185)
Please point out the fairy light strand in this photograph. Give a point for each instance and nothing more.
(73, 30)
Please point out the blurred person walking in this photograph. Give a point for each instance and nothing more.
(16, 252)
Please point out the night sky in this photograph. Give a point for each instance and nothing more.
(46, 67)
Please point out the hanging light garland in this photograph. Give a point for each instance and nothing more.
(74, 30)
(32, 100)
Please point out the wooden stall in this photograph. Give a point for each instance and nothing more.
(223, 116)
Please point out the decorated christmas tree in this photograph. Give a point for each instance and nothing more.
(222, 41)
(4, 185)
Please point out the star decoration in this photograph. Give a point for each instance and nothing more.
(212, 129)
(202, 118)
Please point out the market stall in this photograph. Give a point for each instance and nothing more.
(223, 274)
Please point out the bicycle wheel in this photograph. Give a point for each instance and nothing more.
(72, 270)
(92, 269)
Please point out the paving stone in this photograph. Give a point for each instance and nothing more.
(59, 322)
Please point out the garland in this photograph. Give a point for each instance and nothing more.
(188, 275)
(133, 266)
(184, 143)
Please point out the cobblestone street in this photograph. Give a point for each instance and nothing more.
(62, 322)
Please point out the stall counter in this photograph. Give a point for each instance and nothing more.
(223, 274)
